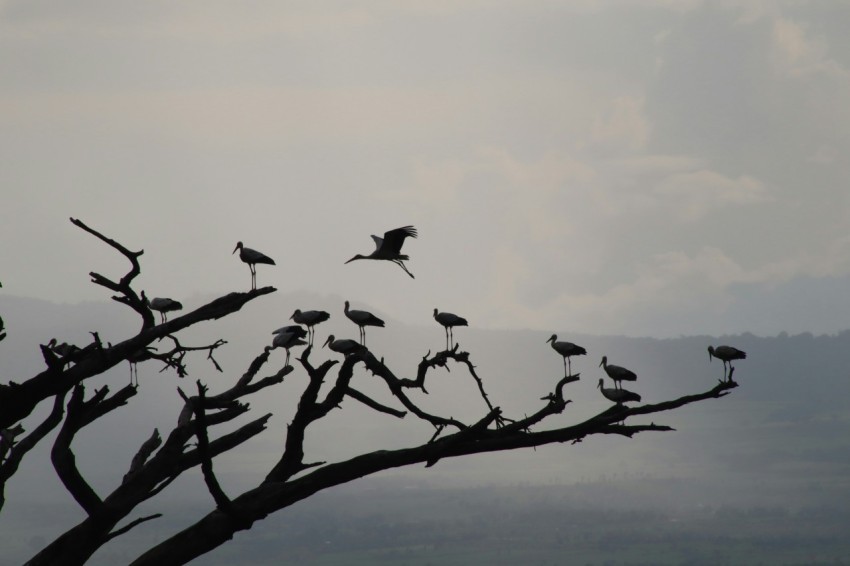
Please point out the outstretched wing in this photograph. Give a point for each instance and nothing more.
(394, 239)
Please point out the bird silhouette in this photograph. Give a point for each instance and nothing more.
(252, 258)
(362, 319)
(618, 396)
(344, 346)
(287, 338)
(310, 319)
(617, 373)
(726, 354)
(449, 321)
(65, 352)
(164, 305)
(389, 247)
(566, 350)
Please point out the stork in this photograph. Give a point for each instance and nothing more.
(449, 321)
(618, 396)
(567, 350)
(292, 329)
(164, 305)
(343, 346)
(726, 354)
(617, 373)
(252, 258)
(288, 339)
(389, 247)
(309, 319)
(67, 353)
(362, 319)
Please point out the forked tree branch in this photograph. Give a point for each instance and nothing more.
(217, 527)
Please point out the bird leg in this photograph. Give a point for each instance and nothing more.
(401, 264)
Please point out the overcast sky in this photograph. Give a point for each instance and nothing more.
(647, 168)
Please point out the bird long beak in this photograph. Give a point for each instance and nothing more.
(234, 250)
(326, 342)
(358, 256)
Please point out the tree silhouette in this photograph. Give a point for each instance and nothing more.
(192, 442)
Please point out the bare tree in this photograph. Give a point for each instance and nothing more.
(163, 457)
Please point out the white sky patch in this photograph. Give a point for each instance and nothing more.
(798, 54)
(625, 125)
(691, 196)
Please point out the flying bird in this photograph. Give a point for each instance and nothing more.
(287, 339)
(252, 258)
(343, 346)
(617, 373)
(618, 396)
(389, 247)
(567, 350)
(362, 319)
(449, 321)
(164, 305)
(726, 354)
(309, 319)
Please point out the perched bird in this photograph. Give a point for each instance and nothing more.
(619, 396)
(343, 346)
(449, 321)
(164, 305)
(63, 350)
(66, 353)
(309, 319)
(617, 373)
(362, 319)
(288, 339)
(252, 258)
(389, 247)
(726, 354)
(567, 350)
(292, 329)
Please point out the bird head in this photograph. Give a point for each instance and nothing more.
(552, 338)
(604, 361)
(600, 384)
(358, 256)
(710, 352)
(296, 313)
(238, 247)
(328, 341)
